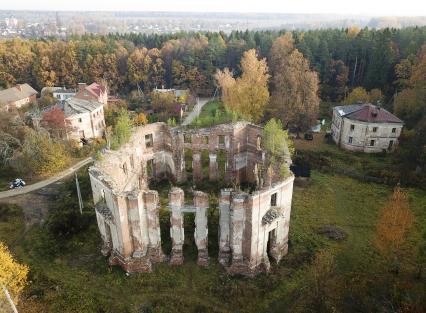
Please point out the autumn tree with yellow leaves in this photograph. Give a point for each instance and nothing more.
(13, 278)
(294, 93)
(247, 95)
(394, 222)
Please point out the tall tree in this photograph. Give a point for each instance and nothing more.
(295, 87)
(138, 66)
(334, 86)
(248, 95)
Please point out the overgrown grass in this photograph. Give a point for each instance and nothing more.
(74, 277)
(322, 155)
(214, 113)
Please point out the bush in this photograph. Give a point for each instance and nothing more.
(65, 223)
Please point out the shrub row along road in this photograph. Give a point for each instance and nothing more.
(46, 182)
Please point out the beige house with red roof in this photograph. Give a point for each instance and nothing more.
(17, 97)
(366, 128)
(94, 91)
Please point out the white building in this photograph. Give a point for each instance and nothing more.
(366, 128)
(59, 93)
(84, 119)
(63, 94)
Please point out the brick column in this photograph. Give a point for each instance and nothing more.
(152, 208)
(224, 223)
(237, 229)
(229, 167)
(213, 168)
(201, 204)
(197, 167)
(135, 224)
(176, 202)
(179, 158)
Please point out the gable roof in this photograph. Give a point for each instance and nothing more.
(96, 89)
(367, 113)
(19, 92)
(74, 106)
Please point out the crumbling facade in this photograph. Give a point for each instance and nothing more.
(253, 226)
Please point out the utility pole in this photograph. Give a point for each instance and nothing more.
(80, 200)
(9, 298)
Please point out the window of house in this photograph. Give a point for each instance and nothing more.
(85, 93)
(149, 143)
(371, 142)
(390, 144)
(374, 129)
(394, 130)
(206, 140)
(258, 143)
(352, 126)
(187, 138)
(80, 120)
(350, 140)
(274, 199)
(221, 139)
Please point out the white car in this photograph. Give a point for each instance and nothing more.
(17, 183)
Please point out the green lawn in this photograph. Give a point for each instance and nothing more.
(72, 276)
(213, 113)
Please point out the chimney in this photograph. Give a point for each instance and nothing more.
(81, 86)
(18, 86)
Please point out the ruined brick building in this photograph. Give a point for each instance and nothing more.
(253, 226)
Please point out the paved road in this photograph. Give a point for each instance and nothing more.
(197, 109)
(46, 182)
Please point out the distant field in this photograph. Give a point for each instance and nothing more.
(72, 276)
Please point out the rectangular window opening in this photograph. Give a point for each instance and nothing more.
(149, 142)
(221, 139)
(187, 138)
(274, 199)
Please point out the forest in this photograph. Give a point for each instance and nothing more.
(343, 58)
(386, 67)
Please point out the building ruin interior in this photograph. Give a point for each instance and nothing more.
(253, 223)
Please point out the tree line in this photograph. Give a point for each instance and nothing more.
(343, 58)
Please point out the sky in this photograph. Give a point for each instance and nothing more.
(344, 7)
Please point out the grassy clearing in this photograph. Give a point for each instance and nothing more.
(321, 154)
(213, 113)
(71, 275)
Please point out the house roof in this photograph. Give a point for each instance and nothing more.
(75, 106)
(19, 92)
(96, 89)
(63, 90)
(368, 113)
(346, 109)
(57, 90)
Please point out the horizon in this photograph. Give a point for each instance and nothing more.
(411, 8)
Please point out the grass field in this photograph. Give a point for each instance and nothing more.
(70, 275)
(213, 113)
